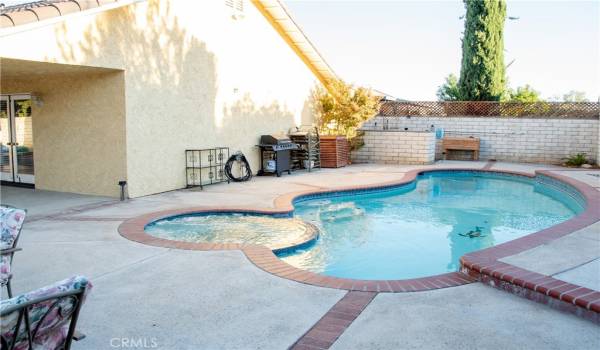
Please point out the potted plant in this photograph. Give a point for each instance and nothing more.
(340, 109)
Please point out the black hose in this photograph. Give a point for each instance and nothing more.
(238, 157)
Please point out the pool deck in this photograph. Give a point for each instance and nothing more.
(189, 299)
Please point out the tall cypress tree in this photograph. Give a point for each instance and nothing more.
(482, 74)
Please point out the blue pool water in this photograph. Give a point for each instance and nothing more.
(272, 232)
(417, 230)
(423, 229)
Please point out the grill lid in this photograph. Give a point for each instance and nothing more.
(274, 139)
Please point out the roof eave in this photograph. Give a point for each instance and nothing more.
(279, 17)
(105, 6)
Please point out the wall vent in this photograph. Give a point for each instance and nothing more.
(237, 8)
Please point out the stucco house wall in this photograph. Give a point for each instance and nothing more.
(79, 143)
(195, 75)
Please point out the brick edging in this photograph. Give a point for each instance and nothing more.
(335, 322)
(265, 259)
(540, 288)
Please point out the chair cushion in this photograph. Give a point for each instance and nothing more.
(4, 269)
(11, 221)
(54, 328)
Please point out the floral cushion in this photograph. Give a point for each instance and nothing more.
(11, 221)
(54, 328)
(4, 269)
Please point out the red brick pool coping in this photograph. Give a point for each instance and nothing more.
(334, 323)
(482, 265)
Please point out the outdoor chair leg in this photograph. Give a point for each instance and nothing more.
(77, 335)
(9, 289)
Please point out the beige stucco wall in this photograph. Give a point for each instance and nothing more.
(195, 77)
(78, 131)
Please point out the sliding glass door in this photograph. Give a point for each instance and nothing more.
(16, 139)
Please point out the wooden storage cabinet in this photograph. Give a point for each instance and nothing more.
(334, 151)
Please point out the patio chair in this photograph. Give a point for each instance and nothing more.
(11, 223)
(44, 318)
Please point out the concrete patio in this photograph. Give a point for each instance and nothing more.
(177, 299)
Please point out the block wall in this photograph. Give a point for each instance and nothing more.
(534, 140)
(396, 147)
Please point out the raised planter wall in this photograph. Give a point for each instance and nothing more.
(515, 139)
(396, 147)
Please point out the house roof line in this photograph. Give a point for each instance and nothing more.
(30, 15)
(23, 17)
(279, 17)
(35, 11)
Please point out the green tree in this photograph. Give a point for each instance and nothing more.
(482, 74)
(524, 94)
(341, 108)
(449, 90)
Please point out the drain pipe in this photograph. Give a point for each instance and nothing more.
(122, 184)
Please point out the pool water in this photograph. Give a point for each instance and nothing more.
(266, 230)
(423, 228)
(415, 230)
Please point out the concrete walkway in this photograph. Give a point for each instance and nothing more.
(467, 317)
(573, 258)
(179, 299)
(41, 203)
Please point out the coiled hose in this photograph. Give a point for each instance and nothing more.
(246, 172)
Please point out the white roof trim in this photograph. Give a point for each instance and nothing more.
(50, 21)
(281, 17)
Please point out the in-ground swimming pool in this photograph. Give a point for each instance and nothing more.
(414, 230)
(275, 232)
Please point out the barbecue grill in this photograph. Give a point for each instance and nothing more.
(275, 154)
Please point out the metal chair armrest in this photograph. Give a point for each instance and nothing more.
(9, 250)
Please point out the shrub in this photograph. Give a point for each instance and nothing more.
(576, 160)
(524, 94)
(341, 108)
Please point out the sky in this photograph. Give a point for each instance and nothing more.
(407, 48)
(14, 2)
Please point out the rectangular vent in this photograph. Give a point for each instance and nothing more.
(237, 5)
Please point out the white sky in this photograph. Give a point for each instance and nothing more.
(14, 2)
(406, 48)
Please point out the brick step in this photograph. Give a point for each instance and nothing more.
(560, 295)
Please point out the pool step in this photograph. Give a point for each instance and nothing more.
(581, 301)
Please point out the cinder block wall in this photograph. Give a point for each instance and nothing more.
(534, 140)
(396, 147)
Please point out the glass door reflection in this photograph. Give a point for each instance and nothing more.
(16, 139)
